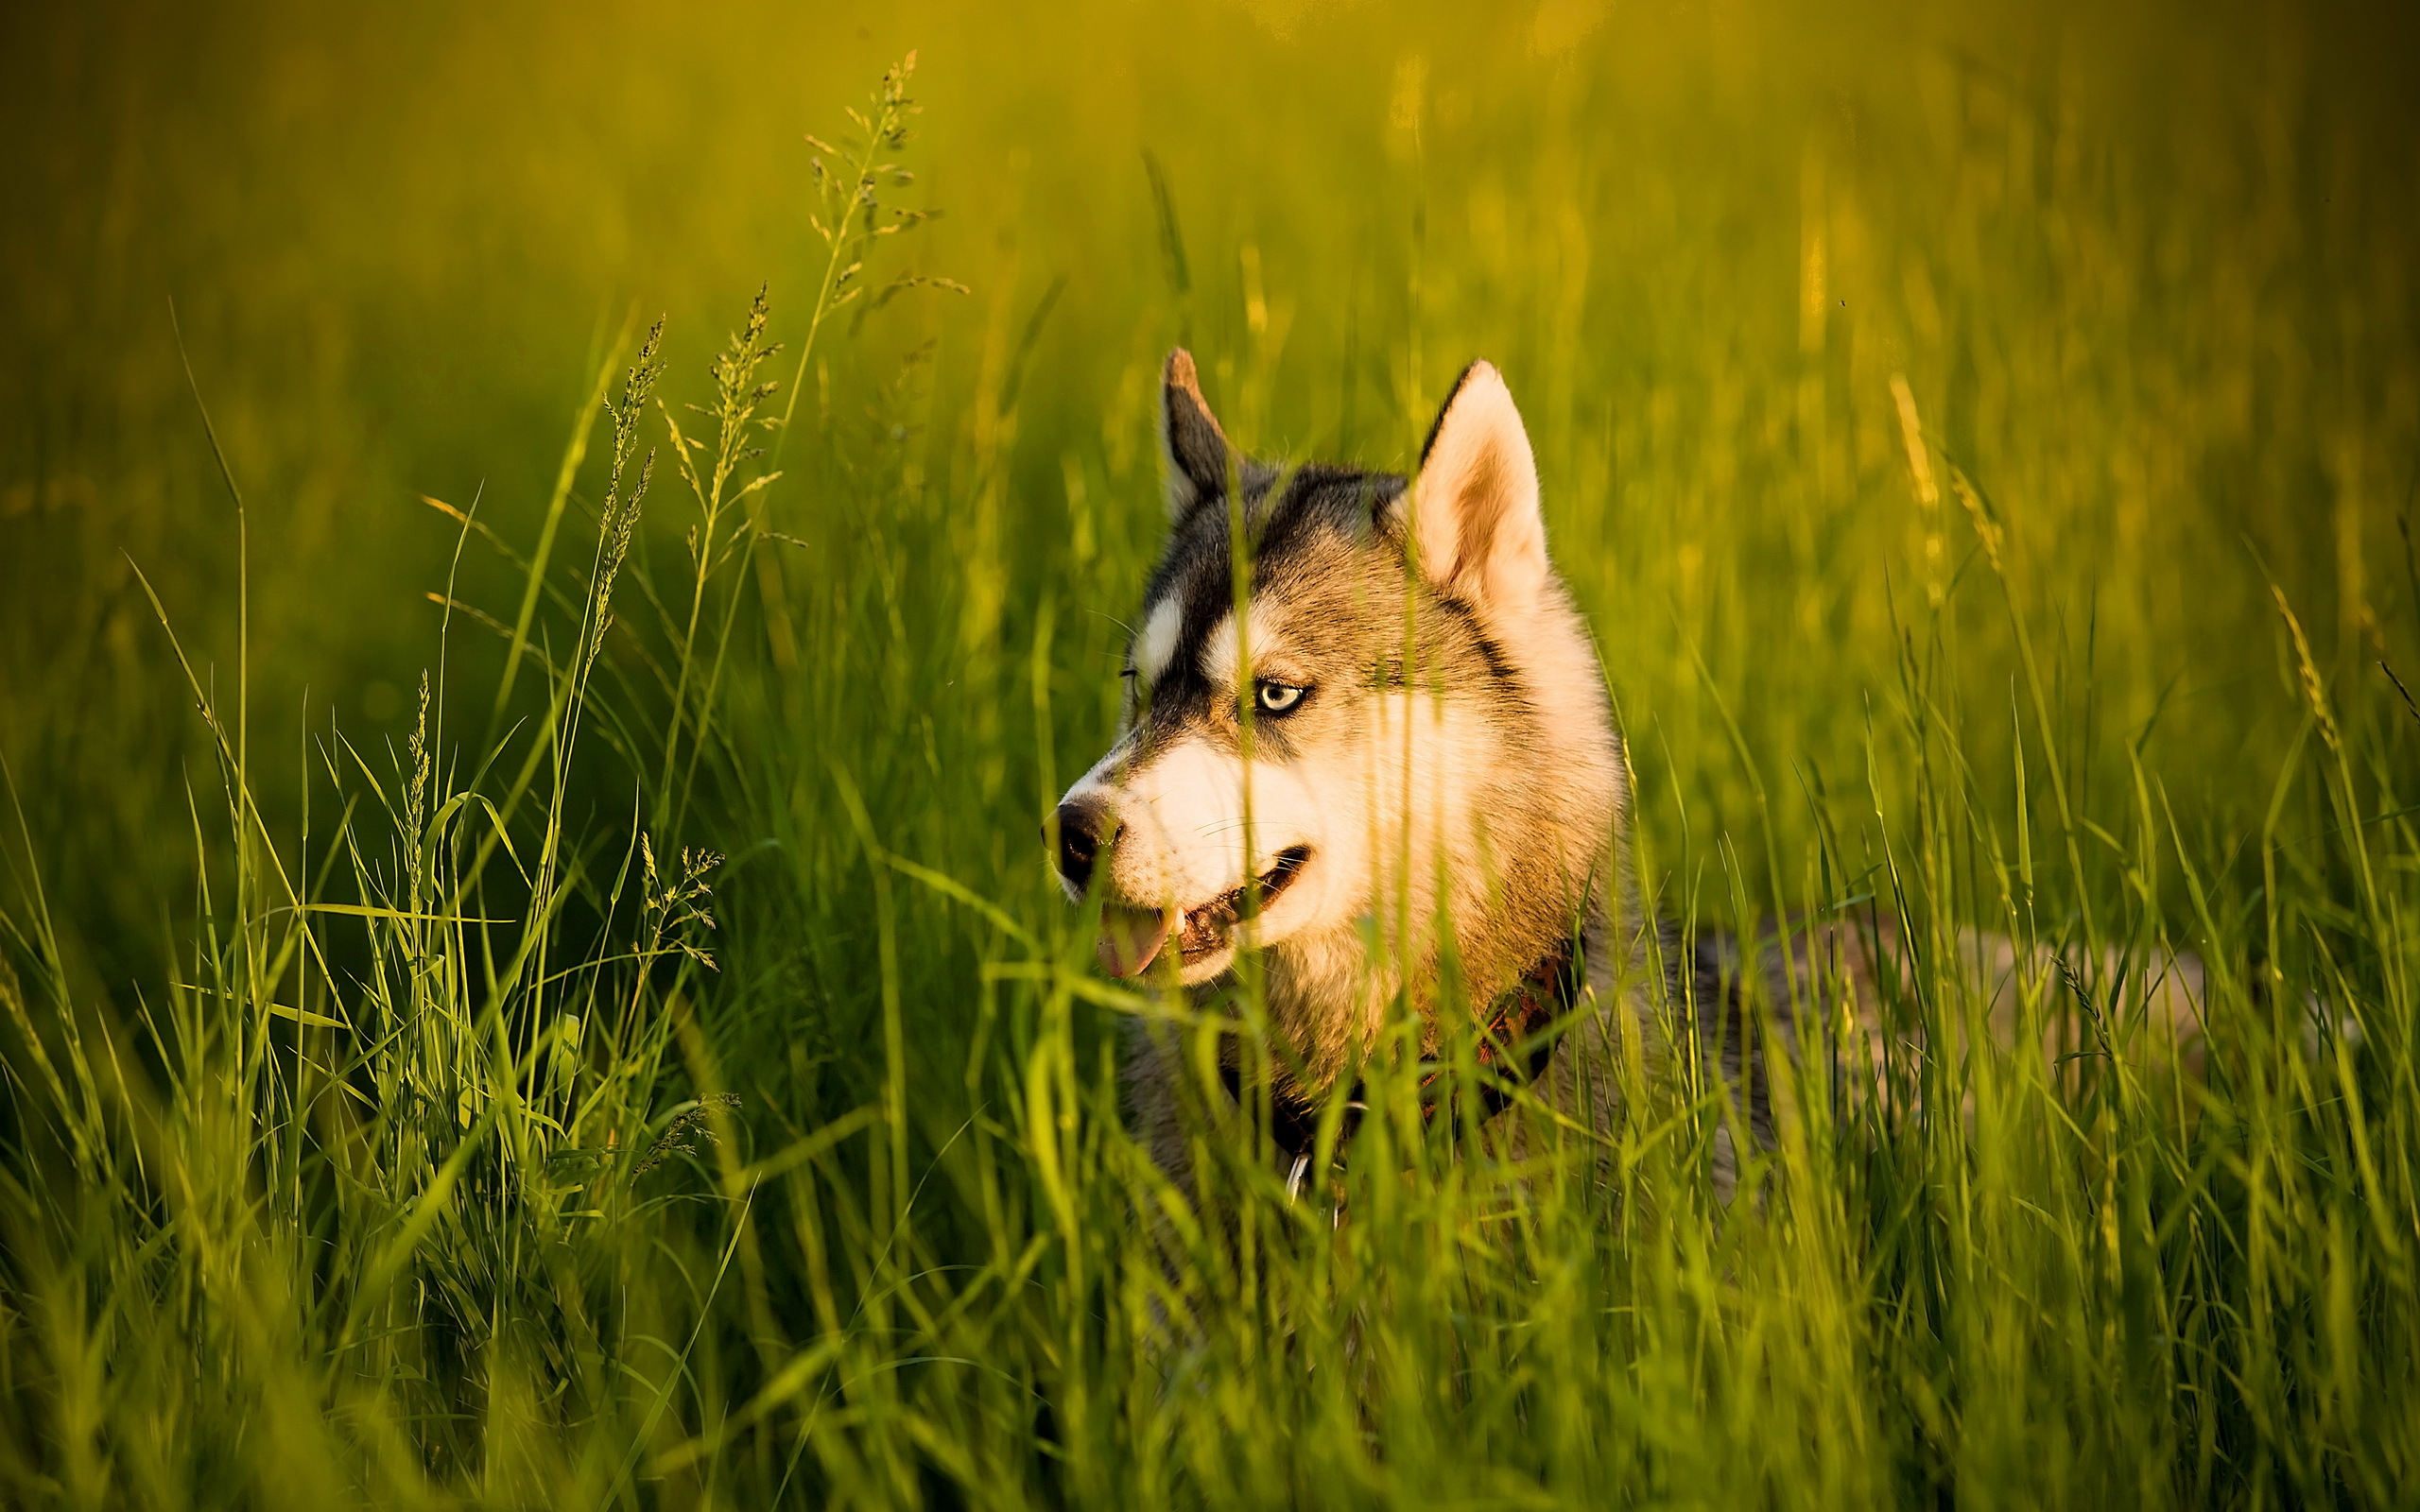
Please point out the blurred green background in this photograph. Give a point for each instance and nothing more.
(2147, 271)
(2141, 277)
(2145, 267)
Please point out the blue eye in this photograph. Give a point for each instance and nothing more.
(1278, 698)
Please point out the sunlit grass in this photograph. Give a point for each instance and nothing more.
(648, 1065)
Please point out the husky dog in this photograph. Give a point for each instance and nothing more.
(1399, 762)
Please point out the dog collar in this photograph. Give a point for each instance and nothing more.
(1515, 1045)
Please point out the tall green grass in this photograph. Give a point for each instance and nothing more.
(648, 1065)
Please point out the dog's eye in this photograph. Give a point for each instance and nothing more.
(1278, 698)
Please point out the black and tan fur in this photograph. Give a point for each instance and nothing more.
(1448, 777)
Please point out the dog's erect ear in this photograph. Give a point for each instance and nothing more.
(1193, 450)
(1475, 504)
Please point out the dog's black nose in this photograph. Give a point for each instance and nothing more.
(1082, 830)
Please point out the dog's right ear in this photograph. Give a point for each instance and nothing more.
(1475, 503)
(1193, 450)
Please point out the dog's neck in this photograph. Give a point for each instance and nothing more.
(1517, 1040)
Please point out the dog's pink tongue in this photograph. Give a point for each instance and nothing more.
(1131, 938)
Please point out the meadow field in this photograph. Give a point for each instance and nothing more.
(553, 560)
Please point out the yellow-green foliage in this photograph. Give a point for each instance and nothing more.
(1984, 443)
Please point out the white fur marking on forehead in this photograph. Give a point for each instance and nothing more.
(1263, 624)
(1157, 644)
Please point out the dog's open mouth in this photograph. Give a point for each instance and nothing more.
(1207, 926)
(1131, 938)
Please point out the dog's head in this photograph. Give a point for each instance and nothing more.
(1391, 720)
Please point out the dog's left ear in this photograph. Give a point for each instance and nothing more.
(1194, 454)
(1475, 504)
